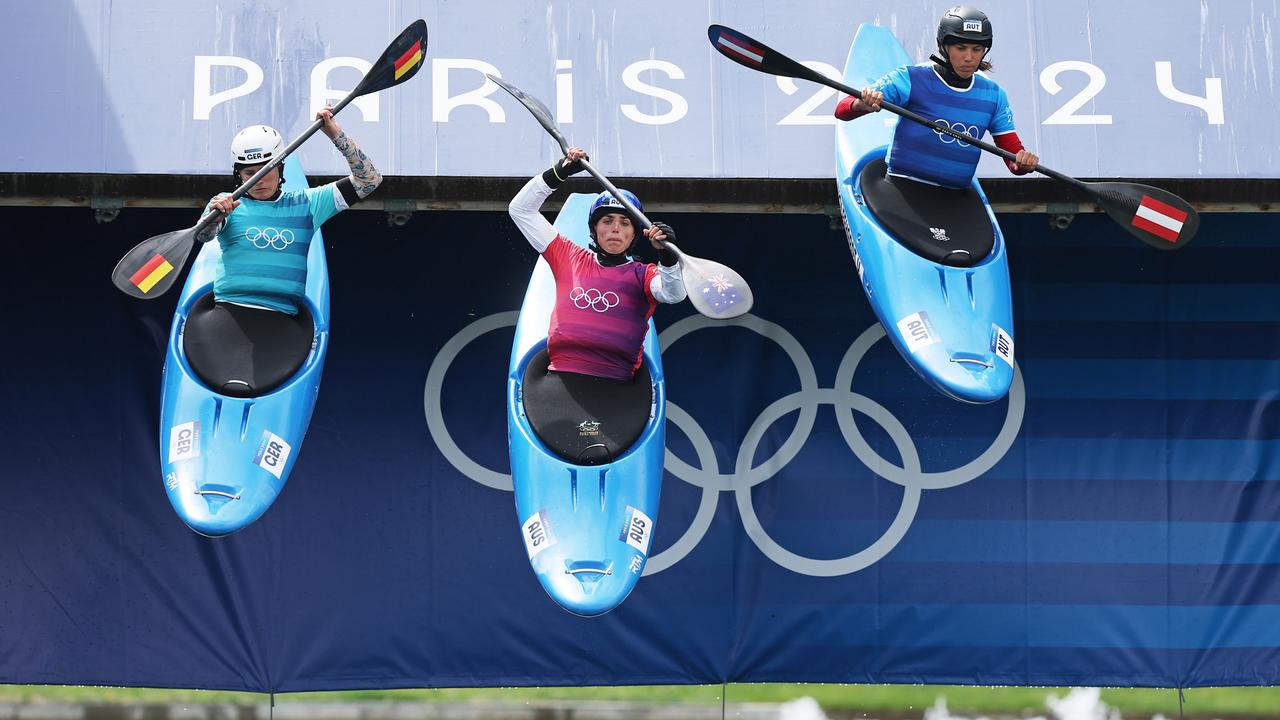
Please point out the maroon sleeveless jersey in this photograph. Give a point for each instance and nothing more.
(601, 313)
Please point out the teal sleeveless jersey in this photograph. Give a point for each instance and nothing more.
(264, 247)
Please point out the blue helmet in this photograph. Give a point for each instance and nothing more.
(606, 203)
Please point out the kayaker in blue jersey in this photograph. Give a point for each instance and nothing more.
(950, 90)
(265, 235)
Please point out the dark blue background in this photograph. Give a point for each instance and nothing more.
(1129, 537)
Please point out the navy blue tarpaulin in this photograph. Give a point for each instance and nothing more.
(825, 516)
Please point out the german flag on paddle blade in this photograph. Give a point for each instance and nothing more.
(151, 273)
(410, 60)
(401, 60)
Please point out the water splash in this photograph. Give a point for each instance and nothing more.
(1081, 704)
(1078, 704)
(805, 708)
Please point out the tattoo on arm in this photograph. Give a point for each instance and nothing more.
(365, 178)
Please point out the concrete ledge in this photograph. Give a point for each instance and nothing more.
(729, 195)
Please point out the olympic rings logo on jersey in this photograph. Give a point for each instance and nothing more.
(747, 473)
(970, 130)
(269, 237)
(594, 299)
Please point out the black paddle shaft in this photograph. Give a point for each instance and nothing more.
(695, 272)
(161, 255)
(215, 215)
(645, 224)
(1119, 200)
(963, 137)
(543, 115)
(775, 63)
(373, 81)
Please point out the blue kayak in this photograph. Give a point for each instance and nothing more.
(931, 260)
(586, 454)
(225, 457)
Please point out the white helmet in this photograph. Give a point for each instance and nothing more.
(256, 144)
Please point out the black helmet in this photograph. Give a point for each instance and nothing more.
(963, 24)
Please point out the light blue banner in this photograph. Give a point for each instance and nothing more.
(1138, 89)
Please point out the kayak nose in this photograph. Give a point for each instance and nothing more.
(584, 554)
(588, 573)
(973, 362)
(217, 496)
(226, 510)
(974, 378)
(588, 587)
(218, 508)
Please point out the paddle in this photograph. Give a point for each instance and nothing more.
(1156, 217)
(150, 268)
(714, 289)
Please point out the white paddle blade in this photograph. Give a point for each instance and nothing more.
(714, 289)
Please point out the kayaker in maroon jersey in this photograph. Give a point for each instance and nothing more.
(603, 297)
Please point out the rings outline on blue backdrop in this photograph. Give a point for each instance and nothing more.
(910, 475)
(431, 400)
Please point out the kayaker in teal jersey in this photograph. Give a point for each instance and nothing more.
(265, 235)
(950, 90)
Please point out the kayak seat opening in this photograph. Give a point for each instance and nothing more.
(585, 420)
(245, 352)
(945, 225)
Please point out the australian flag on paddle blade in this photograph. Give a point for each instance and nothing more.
(719, 293)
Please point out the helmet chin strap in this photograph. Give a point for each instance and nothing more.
(606, 258)
(279, 188)
(949, 74)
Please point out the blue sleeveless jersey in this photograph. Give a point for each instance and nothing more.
(265, 244)
(926, 154)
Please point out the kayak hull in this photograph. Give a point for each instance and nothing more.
(953, 325)
(586, 529)
(225, 459)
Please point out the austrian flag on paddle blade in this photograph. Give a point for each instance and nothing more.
(740, 47)
(1159, 219)
(151, 273)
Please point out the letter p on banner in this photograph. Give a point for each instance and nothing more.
(205, 99)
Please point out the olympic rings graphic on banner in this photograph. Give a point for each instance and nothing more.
(970, 130)
(593, 298)
(262, 238)
(707, 476)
